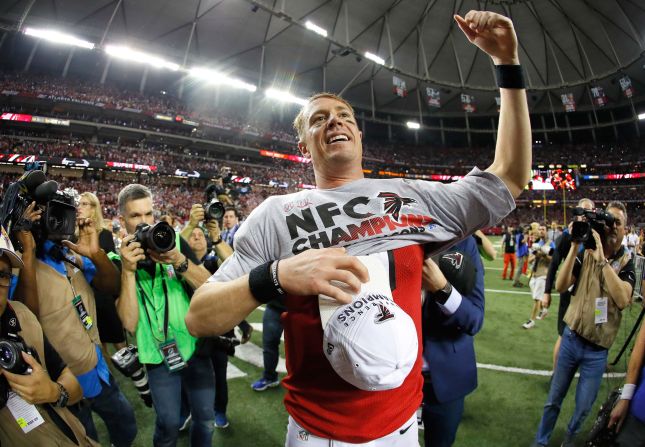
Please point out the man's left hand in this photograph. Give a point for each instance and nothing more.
(172, 257)
(492, 33)
(88, 238)
(34, 388)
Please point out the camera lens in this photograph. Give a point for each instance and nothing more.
(7, 355)
(215, 210)
(162, 239)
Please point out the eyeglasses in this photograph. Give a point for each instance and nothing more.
(5, 278)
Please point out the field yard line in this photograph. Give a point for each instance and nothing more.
(493, 268)
(534, 372)
(233, 372)
(251, 353)
(507, 291)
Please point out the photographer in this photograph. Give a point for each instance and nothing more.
(110, 328)
(562, 246)
(65, 275)
(155, 293)
(601, 279)
(45, 391)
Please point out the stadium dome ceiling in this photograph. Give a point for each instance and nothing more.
(565, 45)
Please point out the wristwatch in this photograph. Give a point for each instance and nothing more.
(218, 241)
(442, 295)
(63, 398)
(181, 268)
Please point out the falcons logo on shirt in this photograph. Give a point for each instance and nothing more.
(394, 202)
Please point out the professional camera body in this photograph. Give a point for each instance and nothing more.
(11, 355)
(159, 237)
(126, 360)
(11, 360)
(226, 344)
(213, 208)
(58, 220)
(597, 219)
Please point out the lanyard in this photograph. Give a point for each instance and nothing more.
(146, 299)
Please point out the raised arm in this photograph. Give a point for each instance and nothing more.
(494, 34)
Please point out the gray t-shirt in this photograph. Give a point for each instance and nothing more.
(368, 216)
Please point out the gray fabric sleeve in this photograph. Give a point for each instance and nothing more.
(248, 247)
(478, 200)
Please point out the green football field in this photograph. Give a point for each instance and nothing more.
(514, 370)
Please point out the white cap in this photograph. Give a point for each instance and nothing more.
(371, 342)
(6, 249)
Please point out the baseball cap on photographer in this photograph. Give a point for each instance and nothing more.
(6, 249)
(371, 342)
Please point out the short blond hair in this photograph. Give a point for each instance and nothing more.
(300, 122)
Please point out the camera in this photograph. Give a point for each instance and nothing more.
(159, 237)
(126, 360)
(213, 208)
(11, 356)
(12, 361)
(58, 221)
(226, 344)
(597, 219)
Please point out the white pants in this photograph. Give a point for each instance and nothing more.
(537, 286)
(405, 436)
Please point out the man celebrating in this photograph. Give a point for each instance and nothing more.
(152, 304)
(304, 247)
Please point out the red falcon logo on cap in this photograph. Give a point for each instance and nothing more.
(455, 259)
(383, 315)
(394, 202)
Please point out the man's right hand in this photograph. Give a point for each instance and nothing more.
(196, 215)
(546, 300)
(131, 253)
(311, 273)
(618, 414)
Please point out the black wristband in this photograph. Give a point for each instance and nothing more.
(218, 241)
(510, 76)
(264, 284)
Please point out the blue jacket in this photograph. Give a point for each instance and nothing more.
(448, 350)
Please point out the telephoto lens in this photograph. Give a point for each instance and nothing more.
(126, 360)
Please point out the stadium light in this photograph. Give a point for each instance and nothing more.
(315, 28)
(129, 54)
(375, 58)
(284, 96)
(641, 116)
(413, 125)
(58, 37)
(217, 78)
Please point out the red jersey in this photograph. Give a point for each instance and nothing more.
(323, 403)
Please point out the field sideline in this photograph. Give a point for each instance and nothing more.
(514, 371)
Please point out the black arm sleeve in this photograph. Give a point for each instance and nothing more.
(53, 362)
(106, 241)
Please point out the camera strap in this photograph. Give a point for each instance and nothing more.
(10, 326)
(145, 299)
